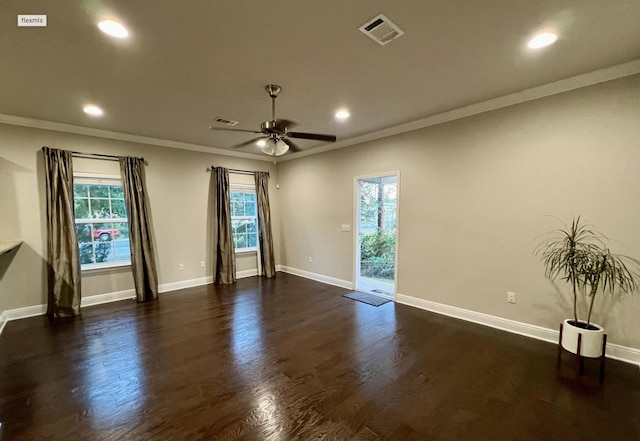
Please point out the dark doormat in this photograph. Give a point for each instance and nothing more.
(364, 297)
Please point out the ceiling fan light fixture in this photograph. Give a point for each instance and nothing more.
(276, 139)
(275, 147)
(281, 148)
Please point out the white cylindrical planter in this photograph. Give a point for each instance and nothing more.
(591, 342)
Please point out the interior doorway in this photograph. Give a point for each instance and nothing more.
(376, 234)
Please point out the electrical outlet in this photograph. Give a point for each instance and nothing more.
(202, 264)
(310, 259)
(511, 297)
(181, 266)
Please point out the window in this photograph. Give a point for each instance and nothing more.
(102, 228)
(244, 220)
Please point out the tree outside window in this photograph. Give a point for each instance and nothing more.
(244, 221)
(102, 228)
(378, 200)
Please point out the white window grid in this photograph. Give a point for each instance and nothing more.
(107, 180)
(241, 188)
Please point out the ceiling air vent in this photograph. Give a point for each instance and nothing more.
(226, 122)
(381, 30)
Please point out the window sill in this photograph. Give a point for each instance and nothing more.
(246, 252)
(91, 268)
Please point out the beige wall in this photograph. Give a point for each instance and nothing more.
(178, 187)
(474, 198)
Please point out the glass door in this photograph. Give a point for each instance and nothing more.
(376, 233)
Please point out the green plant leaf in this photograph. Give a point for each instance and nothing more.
(578, 255)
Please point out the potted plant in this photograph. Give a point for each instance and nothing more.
(578, 255)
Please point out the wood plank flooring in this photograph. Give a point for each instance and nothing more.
(290, 359)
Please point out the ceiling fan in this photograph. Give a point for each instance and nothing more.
(276, 139)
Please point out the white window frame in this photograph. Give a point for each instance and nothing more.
(245, 188)
(99, 179)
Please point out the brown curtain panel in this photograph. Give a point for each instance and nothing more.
(62, 247)
(265, 237)
(143, 261)
(223, 255)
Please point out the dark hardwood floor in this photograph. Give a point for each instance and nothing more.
(290, 359)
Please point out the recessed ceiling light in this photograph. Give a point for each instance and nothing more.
(113, 28)
(261, 143)
(342, 114)
(542, 40)
(93, 110)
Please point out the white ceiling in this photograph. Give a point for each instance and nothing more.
(187, 62)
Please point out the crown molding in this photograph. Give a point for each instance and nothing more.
(120, 136)
(534, 93)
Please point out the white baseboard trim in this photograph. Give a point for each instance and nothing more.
(246, 273)
(174, 286)
(109, 297)
(182, 284)
(32, 311)
(503, 324)
(623, 353)
(26, 312)
(614, 351)
(317, 277)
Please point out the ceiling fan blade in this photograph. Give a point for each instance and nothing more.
(314, 136)
(246, 143)
(234, 130)
(286, 123)
(292, 145)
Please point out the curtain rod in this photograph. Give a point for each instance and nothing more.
(237, 171)
(95, 156)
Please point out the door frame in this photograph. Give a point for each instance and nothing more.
(356, 223)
